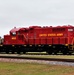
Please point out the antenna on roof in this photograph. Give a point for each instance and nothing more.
(14, 27)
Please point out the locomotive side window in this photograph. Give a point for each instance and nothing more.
(18, 33)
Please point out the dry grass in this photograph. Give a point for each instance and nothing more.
(34, 69)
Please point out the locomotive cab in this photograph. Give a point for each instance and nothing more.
(14, 41)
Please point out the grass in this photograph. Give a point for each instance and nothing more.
(7, 68)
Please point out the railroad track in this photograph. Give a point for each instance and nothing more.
(38, 58)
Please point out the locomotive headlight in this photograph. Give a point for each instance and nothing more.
(14, 33)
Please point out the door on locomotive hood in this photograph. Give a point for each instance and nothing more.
(71, 35)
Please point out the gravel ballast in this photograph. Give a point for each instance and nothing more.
(36, 61)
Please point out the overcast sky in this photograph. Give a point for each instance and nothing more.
(24, 13)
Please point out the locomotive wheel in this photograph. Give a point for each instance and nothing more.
(70, 53)
(56, 51)
(18, 52)
(24, 52)
(7, 52)
(12, 52)
(65, 52)
(49, 52)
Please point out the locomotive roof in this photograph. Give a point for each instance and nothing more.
(14, 29)
(18, 29)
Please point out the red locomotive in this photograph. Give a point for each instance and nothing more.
(38, 39)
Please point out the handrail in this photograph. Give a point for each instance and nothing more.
(26, 39)
(73, 44)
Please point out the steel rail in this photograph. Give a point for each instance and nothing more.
(36, 58)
